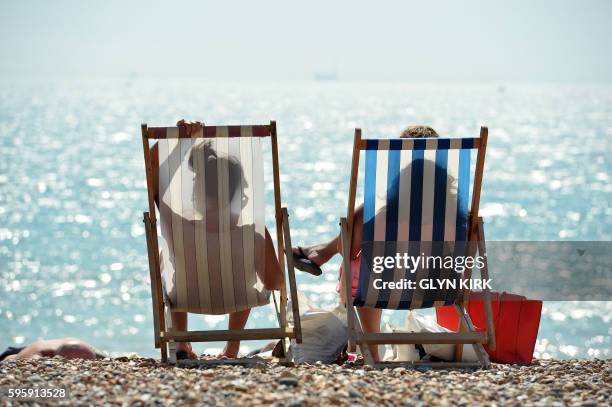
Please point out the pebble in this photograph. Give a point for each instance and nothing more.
(568, 386)
(288, 381)
(138, 381)
(352, 392)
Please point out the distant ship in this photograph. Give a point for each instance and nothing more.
(326, 76)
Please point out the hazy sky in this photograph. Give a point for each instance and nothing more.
(278, 40)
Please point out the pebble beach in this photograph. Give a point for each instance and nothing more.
(132, 381)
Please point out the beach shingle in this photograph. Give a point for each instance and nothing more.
(138, 381)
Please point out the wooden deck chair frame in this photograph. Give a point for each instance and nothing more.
(165, 337)
(466, 333)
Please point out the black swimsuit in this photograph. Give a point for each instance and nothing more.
(10, 351)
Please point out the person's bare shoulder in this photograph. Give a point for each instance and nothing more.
(39, 348)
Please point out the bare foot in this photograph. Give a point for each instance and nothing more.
(318, 254)
(231, 350)
(186, 347)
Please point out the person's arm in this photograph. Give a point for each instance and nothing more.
(191, 127)
(357, 231)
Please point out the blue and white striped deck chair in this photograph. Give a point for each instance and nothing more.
(210, 201)
(416, 196)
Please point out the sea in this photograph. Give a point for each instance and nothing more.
(73, 258)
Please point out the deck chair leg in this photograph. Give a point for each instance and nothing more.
(295, 308)
(171, 345)
(358, 333)
(461, 328)
(285, 356)
(284, 342)
(164, 352)
(484, 273)
(352, 333)
(483, 356)
(346, 286)
(277, 310)
(479, 350)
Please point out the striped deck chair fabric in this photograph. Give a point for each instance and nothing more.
(211, 204)
(416, 196)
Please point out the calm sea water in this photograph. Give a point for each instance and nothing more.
(72, 188)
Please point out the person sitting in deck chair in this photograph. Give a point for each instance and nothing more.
(310, 258)
(271, 278)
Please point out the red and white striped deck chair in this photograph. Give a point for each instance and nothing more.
(212, 215)
(416, 195)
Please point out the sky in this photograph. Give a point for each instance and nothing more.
(532, 41)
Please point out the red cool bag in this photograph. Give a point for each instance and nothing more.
(516, 320)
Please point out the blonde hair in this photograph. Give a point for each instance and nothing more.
(419, 131)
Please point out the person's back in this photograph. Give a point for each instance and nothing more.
(69, 348)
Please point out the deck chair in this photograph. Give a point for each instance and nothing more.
(212, 215)
(416, 194)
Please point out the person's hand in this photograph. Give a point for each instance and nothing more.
(190, 127)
